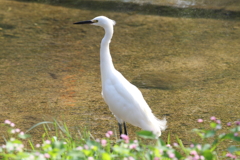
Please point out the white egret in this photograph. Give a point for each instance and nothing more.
(123, 99)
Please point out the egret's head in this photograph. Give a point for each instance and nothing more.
(99, 21)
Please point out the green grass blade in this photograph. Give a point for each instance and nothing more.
(181, 145)
(45, 122)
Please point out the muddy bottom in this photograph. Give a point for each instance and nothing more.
(186, 68)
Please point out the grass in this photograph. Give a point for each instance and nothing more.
(63, 145)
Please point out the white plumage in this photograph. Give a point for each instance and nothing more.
(124, 99)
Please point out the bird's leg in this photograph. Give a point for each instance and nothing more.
(125, 128)
(120, 129)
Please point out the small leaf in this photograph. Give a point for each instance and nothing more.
(178, 155)
(233, 149)
(106, 156)
(226, 136)
(87, 152)
(213, 124)
(121, 150)
(237, 153)
(222, 136)
(146, 134)
(236, 129)
(77, 154)
(160, 142)
(236, 138)
(230, 136)
(24, 136)
(206, 147)
(210, 133)
(156, 152)
(208, 155)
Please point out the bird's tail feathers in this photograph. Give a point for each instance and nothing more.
(162, 123)
(157, 125)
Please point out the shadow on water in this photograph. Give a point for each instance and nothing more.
(160, 80)
(6, 26)
(150, 9)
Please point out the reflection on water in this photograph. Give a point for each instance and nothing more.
(186, 3)
(187, 68)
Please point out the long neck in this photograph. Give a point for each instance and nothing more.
(106, 63)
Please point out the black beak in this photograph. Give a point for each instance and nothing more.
(84, 22)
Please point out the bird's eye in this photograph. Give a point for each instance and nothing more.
(95, 21)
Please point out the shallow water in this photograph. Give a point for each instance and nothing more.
(187, 67)
(189, 3)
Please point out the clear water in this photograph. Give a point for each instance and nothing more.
(187, 3)
(184, 60)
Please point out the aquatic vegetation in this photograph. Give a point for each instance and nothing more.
(64, 146)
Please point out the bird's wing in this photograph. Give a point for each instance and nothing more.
(133, 93)
(125, 100)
